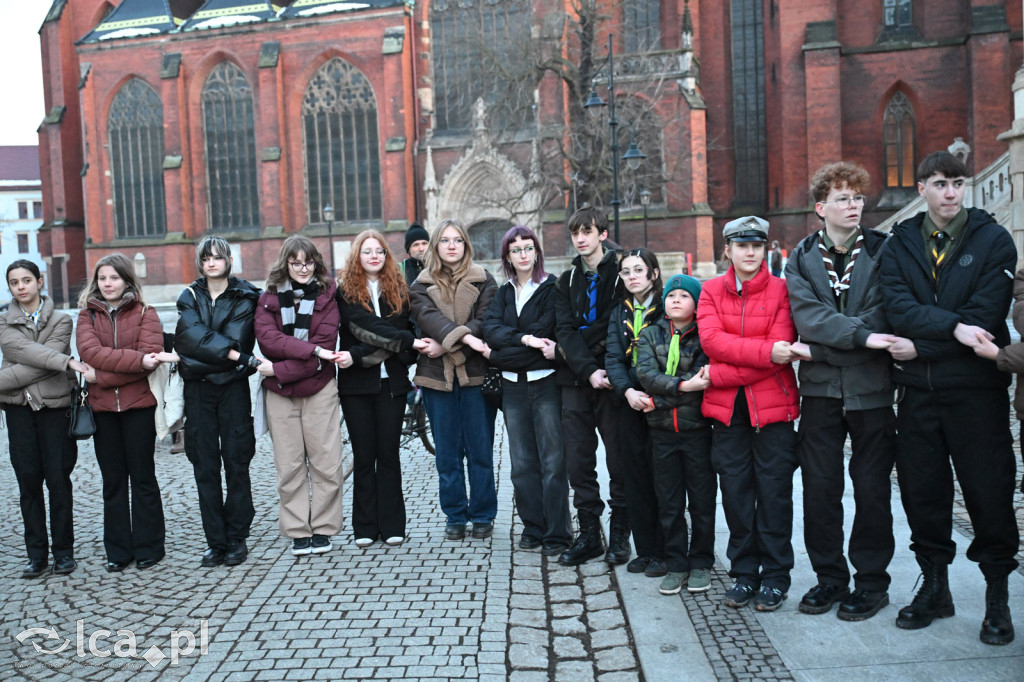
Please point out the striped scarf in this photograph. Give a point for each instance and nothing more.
(839, 284)
(296, 323)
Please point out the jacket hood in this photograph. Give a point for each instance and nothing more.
(129, 299)
(873, 240)
(16, 316)
(238, 287)
(757, 283)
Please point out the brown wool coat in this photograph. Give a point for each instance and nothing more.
(447, 322)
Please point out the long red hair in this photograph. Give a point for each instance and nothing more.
(354, 285)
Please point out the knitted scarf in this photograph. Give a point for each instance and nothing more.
(296, 323)
(839, 284)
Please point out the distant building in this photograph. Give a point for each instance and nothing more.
(21, 210)
(169, 119)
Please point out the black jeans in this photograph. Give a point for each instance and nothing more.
(218, 428)
(684, 478)
(971, 426)
(539, 479)
(820, 441)
(41, 452)
(585, 409)
(375, 426)
(124, 450)
(642, 501)
(755, 470)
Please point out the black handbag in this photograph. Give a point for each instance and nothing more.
(82, 425)
(491, 387)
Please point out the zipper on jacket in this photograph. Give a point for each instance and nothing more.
(752, 406)
(117, 390)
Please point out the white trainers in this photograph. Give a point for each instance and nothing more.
(364, 542)
(395, 540)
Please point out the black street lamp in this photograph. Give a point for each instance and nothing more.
(633, 155)
(645, 200)
(328, 214)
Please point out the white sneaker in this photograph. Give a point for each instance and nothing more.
(364, 542)
(395, 540)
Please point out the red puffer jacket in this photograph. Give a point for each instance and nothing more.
(114, 343)
(737, 332)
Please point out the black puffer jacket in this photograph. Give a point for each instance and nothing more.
(673, 411)
(504, 329)
(619, 360)
(206, 332)
(974, 287)
(583, 349)
(374, 340)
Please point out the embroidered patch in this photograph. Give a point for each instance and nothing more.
(966, 260)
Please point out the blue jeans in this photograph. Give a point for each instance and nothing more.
(533, 420)
(463, 427)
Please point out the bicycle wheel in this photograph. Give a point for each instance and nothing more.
(420, 426)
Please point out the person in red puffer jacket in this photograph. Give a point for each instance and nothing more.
(122, 341)
(748, 335)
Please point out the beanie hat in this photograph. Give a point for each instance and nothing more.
(415, 233)
(688, 284)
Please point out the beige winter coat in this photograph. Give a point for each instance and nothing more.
(35, 365)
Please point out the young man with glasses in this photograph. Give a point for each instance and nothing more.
(845, 388)
(947, 279)
(584, 299)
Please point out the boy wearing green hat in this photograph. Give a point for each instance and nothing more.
(671, 368)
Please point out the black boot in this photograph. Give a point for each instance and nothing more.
(997, 628)
(932, 601)
(588, 544)
(618, 538)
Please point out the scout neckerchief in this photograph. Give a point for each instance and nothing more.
(673, 350)
(637, 324)
(839, 284)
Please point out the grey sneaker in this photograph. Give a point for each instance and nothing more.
(700, 580)
(673, 583)
(769, 598)
(302, 546)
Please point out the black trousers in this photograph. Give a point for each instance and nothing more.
(218, 429)
(124, 450)
(820, 441)
(375, 426)
(638, 479)
(585, 409)
(971, 426)
(755, 470)
(684, 478)
(41, 452)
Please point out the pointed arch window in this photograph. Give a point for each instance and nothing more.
(339, 126)
(230, 143)
(477, 48)
(641, 25)
(897, 14)
(135, 127)
(898, 135)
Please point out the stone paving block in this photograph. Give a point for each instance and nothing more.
(569, 647)
(564, 593)
(577, 671)
(615, 658)
(597, 583)
(528, 617)
(523, 635)
(619, 677)
(602, 600)
(566, 609)
(606, 619)
(567, 626)
(602, 639)
(528, 676)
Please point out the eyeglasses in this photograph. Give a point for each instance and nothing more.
(296, 265)
(374, 252)
(639, 271)
(444, 241)
(526, 249)
(846, 202)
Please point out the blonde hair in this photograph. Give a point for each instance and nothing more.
(445, 276)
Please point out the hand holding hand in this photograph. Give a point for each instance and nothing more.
(89, 374)
(266, 367)
(902, 349)
(150, 361)
(782, 352)
(78, 366)
(800, 350)
(968, 334)
(420, 345)
(549, 349)
(880, 341)
(343, 359)
(638, 400)
(701, 381)
(599, 379)
(433, 348)
(985, 347)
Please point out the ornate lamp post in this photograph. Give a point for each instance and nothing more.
(645, 199)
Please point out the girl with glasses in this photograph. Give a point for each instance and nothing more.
(297, 329)
(520, 329)
(377, 347)
(449, 300)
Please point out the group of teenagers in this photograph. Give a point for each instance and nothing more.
(691, 387)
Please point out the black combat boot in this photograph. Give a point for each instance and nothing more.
(588, 545)
(997, 628)
(932, 601)
(618, 538)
